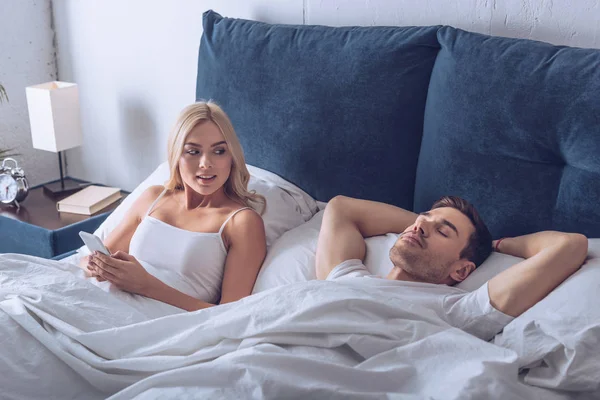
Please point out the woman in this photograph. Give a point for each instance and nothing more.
(197, 241)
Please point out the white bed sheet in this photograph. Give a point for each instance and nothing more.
(63, 336)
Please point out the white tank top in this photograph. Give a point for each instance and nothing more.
(191, 262)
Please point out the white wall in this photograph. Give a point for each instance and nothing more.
(135, 61)
(563, 22)
(27, 57)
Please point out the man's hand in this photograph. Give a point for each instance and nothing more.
(527, 246)
(551, 257)
(123, 271)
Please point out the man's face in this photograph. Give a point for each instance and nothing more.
(429, 250)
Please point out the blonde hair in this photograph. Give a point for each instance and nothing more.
(236, 186)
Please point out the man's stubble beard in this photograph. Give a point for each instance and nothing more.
(421, 267)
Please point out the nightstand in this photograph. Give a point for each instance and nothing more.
(38, 229)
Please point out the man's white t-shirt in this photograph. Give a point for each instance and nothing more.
(469, 311)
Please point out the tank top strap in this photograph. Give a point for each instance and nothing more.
(231, 216)
(155, 201)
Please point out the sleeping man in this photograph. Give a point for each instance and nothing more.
(441, 247)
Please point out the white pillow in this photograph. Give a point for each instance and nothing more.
(558, 339)
(292, 259)
(287, 205)
(492, 266)
(307, 206)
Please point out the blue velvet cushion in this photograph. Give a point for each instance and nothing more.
(513, 126)
(333, 110)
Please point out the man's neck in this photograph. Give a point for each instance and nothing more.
(398, 274)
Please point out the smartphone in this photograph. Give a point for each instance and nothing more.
(93, 243)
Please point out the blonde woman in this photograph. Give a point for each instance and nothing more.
(199, 240)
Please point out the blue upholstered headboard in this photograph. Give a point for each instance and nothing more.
(335, 111)
(406, 115)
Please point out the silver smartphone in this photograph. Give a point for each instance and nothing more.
(93, 243)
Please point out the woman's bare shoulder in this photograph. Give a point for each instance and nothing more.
(148, 196)
(244, 227)
(247, 220)
(153, 191)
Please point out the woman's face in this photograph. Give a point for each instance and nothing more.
(205, 163)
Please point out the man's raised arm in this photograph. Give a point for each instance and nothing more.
(347, 222)
(551, 257)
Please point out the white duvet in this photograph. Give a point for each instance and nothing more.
(62, 336)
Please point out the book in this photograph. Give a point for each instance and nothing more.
(90, 200)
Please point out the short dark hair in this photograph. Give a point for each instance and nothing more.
(479, 246)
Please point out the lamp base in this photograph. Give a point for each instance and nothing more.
(55, 189)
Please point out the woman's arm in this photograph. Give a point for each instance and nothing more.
(247, 250)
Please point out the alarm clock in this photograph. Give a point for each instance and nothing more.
(13, 184)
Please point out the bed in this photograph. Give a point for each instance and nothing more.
(401, 115)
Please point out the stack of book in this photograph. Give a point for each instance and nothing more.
(90, 200)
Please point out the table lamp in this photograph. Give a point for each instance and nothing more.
(55, 124)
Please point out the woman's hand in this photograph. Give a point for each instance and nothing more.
(84, 263)
(88, 269)
(123, 271)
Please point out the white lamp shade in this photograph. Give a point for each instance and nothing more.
(54, 116)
